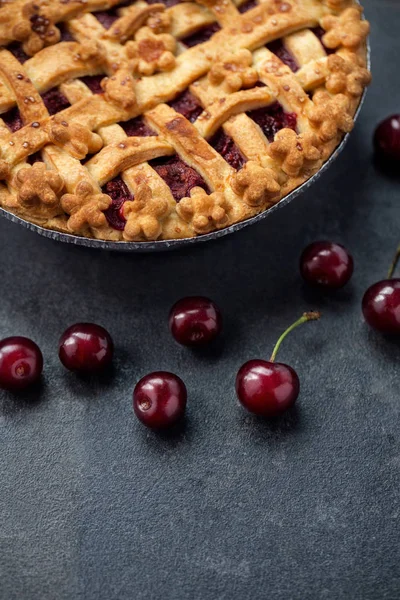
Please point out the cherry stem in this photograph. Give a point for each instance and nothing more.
(394, 263)
(307, 316)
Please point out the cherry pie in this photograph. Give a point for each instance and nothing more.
(136, 121)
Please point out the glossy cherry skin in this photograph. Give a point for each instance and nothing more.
(326, 264)
(21, 363)
(159, 399)
(86, 347)
(387, 139)
(267, 389)
(381, 306)
(195, 321)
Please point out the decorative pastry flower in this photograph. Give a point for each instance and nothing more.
(255, 184)
(144, 215)
(77, 139)
(86, 206)
(150, 52)
(38, 186)
(346, 30)
(204, 212)
(295, 153)
(234, 71)
(120, 89)
(346, 76)
(36, 30)
(329, 115)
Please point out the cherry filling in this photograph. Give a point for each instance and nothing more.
(137, 127)
(225, 145)
(166, 2)
(319, 32)
(202, 35)
(247, 6)
(278, 48)
(187, 105)
(178, 176)
(93, 82)
(55, 101)
(16, 49)
(66, 36)
(119, 194)
(272, 119)
(12, 118)
(106, 17)
(34, 158)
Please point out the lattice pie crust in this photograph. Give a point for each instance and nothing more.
(135, 121)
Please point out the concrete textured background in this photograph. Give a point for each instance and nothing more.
(95, 507)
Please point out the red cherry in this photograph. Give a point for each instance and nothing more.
(86, 347)
(267, 388)
(21, 363)
(159, 399)
(381, 302)
(387, 139)
(195, 321)
(326, 264)
(381, 306)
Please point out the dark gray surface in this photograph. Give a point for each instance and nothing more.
(95, 507)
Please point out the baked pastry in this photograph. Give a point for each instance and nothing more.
(136, 121)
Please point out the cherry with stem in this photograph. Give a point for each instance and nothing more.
(268, 388)
(381, 302)
(394, 263)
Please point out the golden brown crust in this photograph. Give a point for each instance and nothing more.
(145, 65)
(120, 89)
(132, 20)
(85, 207)
(144, 215)
(4, 169)
(330, 115)
(75, 138)
(347, 30)
(234, 72)
(256, 185)
(347, 76)
(204, 212)
(39, 188)
(295, 153)
(151, 52)
(337, 5)
(35, 29)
